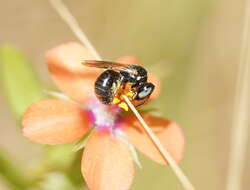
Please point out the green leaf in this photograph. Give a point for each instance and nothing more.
(20, 83)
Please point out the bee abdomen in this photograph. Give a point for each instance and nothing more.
(104, 86)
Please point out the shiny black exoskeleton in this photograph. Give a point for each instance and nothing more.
(117, 76)
(104, 86)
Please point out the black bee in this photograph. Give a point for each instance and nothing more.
(121, 79)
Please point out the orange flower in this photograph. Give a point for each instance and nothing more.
(107, 163)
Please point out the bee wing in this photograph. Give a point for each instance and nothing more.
(106, 65)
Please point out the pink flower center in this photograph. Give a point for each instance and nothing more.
(102, 116)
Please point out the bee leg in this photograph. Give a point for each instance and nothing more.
(137, 105)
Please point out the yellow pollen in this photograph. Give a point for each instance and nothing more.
(116, 100)
(126, 90)
(124, 106)
(130, 94)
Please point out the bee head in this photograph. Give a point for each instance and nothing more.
(136, 74)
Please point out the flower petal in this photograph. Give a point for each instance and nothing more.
(71, 77)
(151, 78)
(107, 163)
(169, 133)
(52, 121)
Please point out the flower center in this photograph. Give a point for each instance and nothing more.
(104, 117)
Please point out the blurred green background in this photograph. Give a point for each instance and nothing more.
(192, 45)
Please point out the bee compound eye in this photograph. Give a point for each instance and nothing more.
(145, 90)
(145, 93)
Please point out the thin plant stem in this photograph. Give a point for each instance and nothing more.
(239, 130)
(70, 20)
(62, 10)
(165, 154)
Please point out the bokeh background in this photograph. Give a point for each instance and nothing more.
(192, 45)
